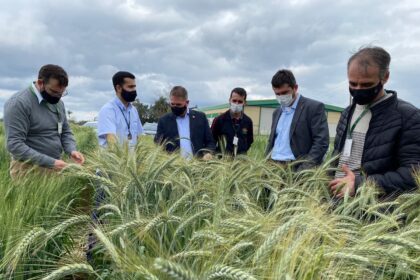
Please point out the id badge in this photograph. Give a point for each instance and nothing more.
(347, 147)
(60, 128)
(235, 141)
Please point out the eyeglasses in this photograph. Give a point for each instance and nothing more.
(57, 94)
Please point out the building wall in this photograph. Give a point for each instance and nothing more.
(262, 118)
(254, 113)
(217, 111)
(332, 119)
(211, 114)
(262, 121)
(266, 120)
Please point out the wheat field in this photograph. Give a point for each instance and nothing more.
(162, 217)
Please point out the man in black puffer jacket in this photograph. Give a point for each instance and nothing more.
(378, 136)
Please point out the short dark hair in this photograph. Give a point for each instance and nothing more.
(118, 78)
(240, 91)
(51, 71)
(179, 91)
(283, 77)
(368, 55)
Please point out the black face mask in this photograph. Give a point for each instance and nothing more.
(366, 95)
(49, 98)
(178, 111)
(129, 96)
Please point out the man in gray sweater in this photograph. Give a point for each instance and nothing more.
(36, 126)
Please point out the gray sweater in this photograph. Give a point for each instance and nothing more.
(32, 129)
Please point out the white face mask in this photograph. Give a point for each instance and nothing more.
(285, 100)
(236, 108)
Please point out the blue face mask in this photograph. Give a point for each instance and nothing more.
(129, 96)
(366, 95)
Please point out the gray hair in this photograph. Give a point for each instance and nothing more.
(372, 55)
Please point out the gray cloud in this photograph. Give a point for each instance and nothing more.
(209, 47)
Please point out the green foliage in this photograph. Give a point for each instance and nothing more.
(257, 150)
(152, 113)
(164, 217)
(86, 138)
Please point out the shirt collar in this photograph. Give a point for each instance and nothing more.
(386, 96)
(118, 102)
(37, 94)
(296, 102)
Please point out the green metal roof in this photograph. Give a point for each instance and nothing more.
(332, 108)
(212, 115)
(217, 107)
(266, 103)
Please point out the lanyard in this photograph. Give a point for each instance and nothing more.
(236, 126)
(57, 111)
(350, 131)
(126, 121)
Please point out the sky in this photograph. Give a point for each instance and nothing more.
(209, 47)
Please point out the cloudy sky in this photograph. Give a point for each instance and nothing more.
(209, 47)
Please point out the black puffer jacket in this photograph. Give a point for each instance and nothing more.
(392, 144)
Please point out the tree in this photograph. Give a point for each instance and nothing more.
(143, 110)
(152, 113)
(160, 108)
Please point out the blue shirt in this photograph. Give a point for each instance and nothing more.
(281, 149)
(183, 124)
(113, 119)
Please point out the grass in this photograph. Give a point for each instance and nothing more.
(167, 218)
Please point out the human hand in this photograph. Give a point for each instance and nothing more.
(341, 186)
(59, 164)
(77, 157)
(207, 156)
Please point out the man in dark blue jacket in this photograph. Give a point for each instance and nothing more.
(185, 129)
(378, 136)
